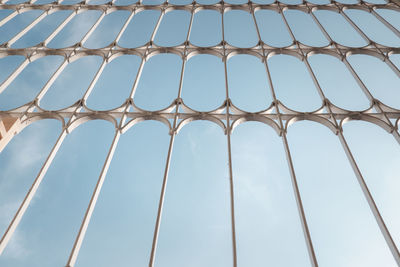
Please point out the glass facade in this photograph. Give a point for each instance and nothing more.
(201, 133)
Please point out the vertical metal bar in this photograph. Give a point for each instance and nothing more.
(161, 201)
(232, 198)
(300, 208)
(228, 138)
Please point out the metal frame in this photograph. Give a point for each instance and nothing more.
(227, 116)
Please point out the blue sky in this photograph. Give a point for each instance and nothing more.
(195, 228)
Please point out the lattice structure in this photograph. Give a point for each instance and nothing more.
(175, 116)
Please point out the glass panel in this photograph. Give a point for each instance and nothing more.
(297, 92)
(115, 83)
(248, 83)
(291, 2)
(239, 29)
(207, 2)
(376, 1)
(180, 2)
(125, 2)
(14, 2)
(42, 2)
(173, 28)
(348, 1)
(263, 2)
(206, 29)
(152, 2)
(319, 2)
(140, 28)
(97, 2)
(272, 29)
(236, 2)
(163, 90)
(196, 219)
(267, 223)
(70, 2)
(204, 83)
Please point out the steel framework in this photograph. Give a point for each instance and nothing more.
(177, 114)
